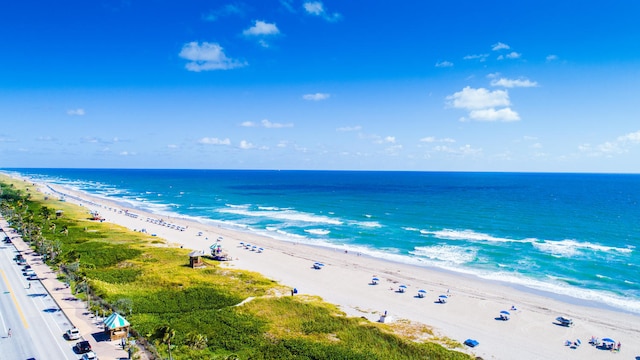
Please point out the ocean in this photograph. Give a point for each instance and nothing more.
(572, 235)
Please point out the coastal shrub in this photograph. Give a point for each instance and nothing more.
(114, 276)
(100, 254)
(187, 300)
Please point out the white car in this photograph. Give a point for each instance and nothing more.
(72, 334)
(89, 356)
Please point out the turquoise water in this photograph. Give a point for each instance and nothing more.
(568, 234)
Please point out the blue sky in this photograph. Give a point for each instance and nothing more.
(289, 84)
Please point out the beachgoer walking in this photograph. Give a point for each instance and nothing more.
(619, 346)
(9, 332)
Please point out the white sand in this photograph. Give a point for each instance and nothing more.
(344, 280)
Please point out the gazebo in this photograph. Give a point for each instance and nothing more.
(195, 259)
(116, 326)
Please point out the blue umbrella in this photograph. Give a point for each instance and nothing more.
(608, 340)
(422, 291)
(375, 279)
(443, 296)
(402, 286)
(505, 312)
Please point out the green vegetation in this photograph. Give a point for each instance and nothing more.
(190, 313)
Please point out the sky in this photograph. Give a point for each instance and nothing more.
(540, 86)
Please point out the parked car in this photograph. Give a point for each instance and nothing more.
(82, 347)
(32, 277)
(90, 356)
(29, 272)
(72, 334)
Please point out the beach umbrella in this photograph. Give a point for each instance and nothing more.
(505, 312)
(260, 249)
(403, 286)
(443, 296)
(608, 340)
(422, 291)
(219, 238)
(375, 279)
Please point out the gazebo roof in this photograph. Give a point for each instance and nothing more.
(115, 321)
(196, 253)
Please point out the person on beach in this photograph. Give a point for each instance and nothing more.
(9, 332)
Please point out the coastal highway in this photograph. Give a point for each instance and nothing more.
(36, 322)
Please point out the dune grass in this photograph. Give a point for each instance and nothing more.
(202, 313)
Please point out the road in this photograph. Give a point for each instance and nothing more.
(35, 320)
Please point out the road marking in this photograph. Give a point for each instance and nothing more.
(15, 301)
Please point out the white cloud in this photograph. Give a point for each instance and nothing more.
(390, 139)
(552, 57)
(172, 146)
(127, 153)
(432, 139)
(500, 46)
(630, 138)
(266, 124)
(461, 151)
(214, 141)
(207, 56)
(316, 96)
(511, 55)
(76, 112)
(620, 145)
(511, 83)
(444, 64)
(470, 98)
(482, 103)
(491, 114)
(246, 145)
(316, 8)
(479, 57)
(287, 4)
(227, 10)
(271, 125)
(349, 128)
(261, 28)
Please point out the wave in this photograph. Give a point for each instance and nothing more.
(317, 231)
(446, 253)
(469, 235)
(571, 248)
(367, 224)
(290, 215)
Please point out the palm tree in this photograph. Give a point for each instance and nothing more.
(168, 333)
(46, 213)
(196, 341)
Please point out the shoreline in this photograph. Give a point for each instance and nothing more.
(207, 222)
(344, 280)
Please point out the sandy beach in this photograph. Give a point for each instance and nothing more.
(471, 311)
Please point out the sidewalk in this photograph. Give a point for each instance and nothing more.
(74, 309)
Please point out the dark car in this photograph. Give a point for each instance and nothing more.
(82, 347)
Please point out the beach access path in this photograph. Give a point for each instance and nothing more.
(472, 310)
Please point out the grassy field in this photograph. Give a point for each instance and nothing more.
(207, 313)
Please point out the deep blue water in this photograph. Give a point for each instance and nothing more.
(569, 234)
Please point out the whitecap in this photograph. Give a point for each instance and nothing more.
(446, 253)
(317, 231)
